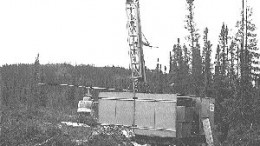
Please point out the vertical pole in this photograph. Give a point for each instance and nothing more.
(134, 97)
(242, 44)
(140, 43)
(206, 72)
(1, 99)
(246, 51)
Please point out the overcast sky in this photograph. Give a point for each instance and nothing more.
(94, 31)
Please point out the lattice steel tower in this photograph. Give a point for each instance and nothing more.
(135, 40)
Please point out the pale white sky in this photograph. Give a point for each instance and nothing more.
(94, 31)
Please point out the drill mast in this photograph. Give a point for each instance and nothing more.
(135, 41)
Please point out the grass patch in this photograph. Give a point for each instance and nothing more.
(42, 127)
(23, 126)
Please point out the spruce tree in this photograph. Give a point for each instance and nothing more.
(249, 56)
(223, 44)
(242, 106)
(179, 69)
(206, 60)
(222, 81)
(193, 38)
(34, 83)
(186, 69)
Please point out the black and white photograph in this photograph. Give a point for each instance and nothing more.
(129, 73)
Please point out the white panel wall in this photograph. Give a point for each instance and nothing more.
(154, 114)
(145, 113)
(165, 115)
(107, 111)
(125, 112)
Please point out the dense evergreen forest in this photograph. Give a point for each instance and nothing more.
(231, 77)
(20, 82)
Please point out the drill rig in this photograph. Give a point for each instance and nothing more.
(157, 119)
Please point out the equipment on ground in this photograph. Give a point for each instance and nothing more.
(158, 119)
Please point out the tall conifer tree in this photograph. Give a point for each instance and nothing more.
(193, 38)
(206, 60)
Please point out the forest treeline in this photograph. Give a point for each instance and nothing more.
(20, 83)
